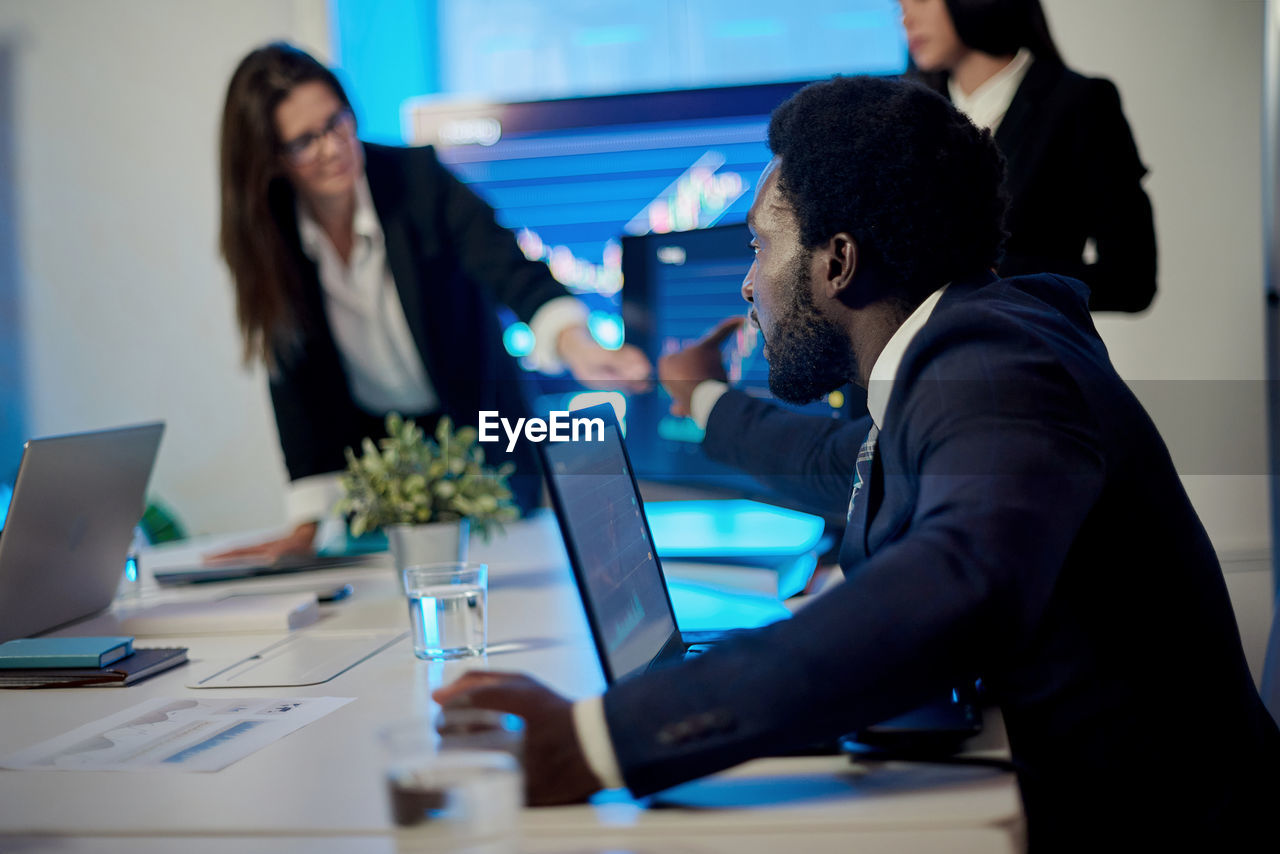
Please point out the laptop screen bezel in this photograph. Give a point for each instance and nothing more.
(673, 646)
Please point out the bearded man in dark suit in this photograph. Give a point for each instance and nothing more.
(1015, 514)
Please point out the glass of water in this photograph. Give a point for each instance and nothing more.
(450, 799)
(447, 609)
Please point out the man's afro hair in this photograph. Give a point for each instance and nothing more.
(900, 169)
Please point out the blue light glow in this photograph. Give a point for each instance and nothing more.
(702, 607)
(606, 328)
(598, 36)
(747, 28)
(724, 529)
(675, 429)
(386, 52)
(518, 339)
(395, 50)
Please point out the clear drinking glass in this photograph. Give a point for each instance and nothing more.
(447, 609)
(452, 799)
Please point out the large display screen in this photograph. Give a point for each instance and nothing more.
(572, 177)
(677, 286)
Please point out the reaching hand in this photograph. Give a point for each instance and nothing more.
(555, 771)
(300, 542)
(626, 369)
(681, 372)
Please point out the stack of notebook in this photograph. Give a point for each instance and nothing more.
(81, 662)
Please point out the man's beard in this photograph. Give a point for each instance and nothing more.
(809, 355)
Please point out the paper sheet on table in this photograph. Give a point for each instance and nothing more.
(175, 734)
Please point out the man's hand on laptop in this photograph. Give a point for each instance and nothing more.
(681, 372)
(555, 771)
(298, 543)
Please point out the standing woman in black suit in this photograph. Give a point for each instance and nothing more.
(1074, 178)
(366, 279)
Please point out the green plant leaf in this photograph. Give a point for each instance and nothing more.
(408, 478)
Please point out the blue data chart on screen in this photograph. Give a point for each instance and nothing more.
(571, 177)
(608, 532)
(571, 198)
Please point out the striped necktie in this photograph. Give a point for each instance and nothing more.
(853, 549)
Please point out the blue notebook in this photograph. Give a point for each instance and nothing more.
(63, 652)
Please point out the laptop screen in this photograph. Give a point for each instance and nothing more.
(608, 541)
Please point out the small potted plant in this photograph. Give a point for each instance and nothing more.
(426, 494)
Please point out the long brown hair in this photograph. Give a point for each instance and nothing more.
(256, 193)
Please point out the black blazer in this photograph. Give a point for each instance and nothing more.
(1074, 174)
(1025, 525)
(451, 263)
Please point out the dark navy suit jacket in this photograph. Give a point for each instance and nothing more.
(452, 264)
(1027, 527)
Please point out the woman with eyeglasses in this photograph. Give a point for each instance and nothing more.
(1074, 178)
(366, 279)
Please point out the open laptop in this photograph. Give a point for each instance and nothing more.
(624, 593)
(75, 503)
(611, 550)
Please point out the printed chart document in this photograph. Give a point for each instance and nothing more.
(175, 735)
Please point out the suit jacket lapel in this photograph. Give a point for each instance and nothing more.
(314, 322)
(1025, 129)
(879, 520)
(387, 186)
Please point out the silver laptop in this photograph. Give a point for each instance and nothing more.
(71, 519)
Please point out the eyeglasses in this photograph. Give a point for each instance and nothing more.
(305, 149)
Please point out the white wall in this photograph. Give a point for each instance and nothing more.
(1190, 77)
(128, 311)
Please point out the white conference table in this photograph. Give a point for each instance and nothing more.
(320, 788)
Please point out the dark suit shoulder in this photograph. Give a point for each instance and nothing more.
(1088, 103)
(402, 157)
(398, 175)
(415, 194)
(1062, 83)
(1104, 138)
(1033, 302)
(1092, 101)
(998, 338)
(1053, 93)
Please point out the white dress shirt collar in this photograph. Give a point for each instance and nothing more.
(885, 369)
(364, 222)
(986, 105)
